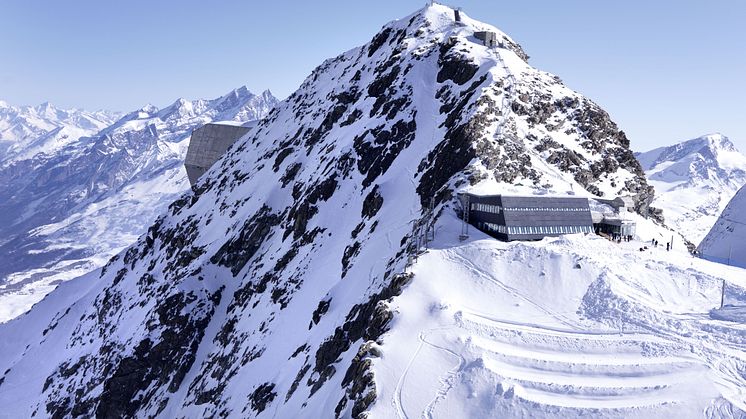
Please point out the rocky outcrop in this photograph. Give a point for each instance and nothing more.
(271, 283)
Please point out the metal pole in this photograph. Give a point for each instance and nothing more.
(722, 295)
(465, 208)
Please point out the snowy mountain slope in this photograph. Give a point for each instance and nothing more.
(726, 241)
(269, 288)
(694, 180)
(26, 131)
(565, 327)
(68, 211)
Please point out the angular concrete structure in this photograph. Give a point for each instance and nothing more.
(207, 144)
(489, 38)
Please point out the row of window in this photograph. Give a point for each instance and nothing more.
(496, 209)
(497, 228)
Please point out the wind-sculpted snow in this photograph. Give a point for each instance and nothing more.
(270, 288)
(567, 327)
(70, 208)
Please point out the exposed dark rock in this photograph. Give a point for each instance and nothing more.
(350, 252)
(356, 327)
(454, 67)
(320, 311)
(281, 157)
(297, 380)
(372, 203)
(352, 118)
(263, 395)
(323, 190)
(302, 348)
(378, 41)
(290, 174)
(359, 381)
(235, 253)
(105, 268)
(119, 276)
(357, 229)
(154, 364)
(380, 85)
(376, 156)
(448, 158)
(300, 218)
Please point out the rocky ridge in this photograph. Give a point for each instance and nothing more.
(265, 291)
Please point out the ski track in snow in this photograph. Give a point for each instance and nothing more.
(447, 382)
(457, 258)
(615, 382)
(397, 399)
(657, 364)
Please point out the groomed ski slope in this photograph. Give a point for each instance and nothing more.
(564, 327)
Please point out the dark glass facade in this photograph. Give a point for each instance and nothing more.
(529, 217)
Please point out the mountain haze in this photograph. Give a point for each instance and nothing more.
(26, 131)
(73, 204)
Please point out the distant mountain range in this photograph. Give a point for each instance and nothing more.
(694, 180)
(29, 130)
(77, 187)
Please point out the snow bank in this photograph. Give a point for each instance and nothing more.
(561, 328)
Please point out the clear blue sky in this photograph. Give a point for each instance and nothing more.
(665, 70)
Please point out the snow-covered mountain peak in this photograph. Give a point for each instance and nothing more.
(693, 160)
(240, 92)
(442, 18)
(50, 111)
(146, 111)
(268, 289)
(180, 109)
(267, 94)
(436, 22)
(43, 129)
(694, 180)
(719, 141)
(233, 97)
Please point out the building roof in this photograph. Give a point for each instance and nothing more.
(541, 201)
(541, 210)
